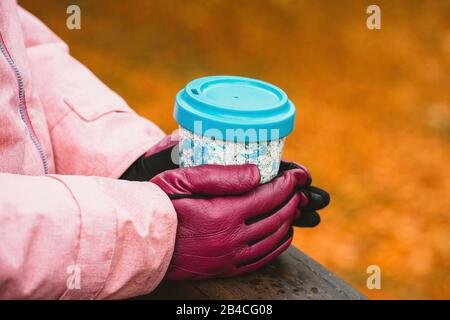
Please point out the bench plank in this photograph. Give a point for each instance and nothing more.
(293, 275)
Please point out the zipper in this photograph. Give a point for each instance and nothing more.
(23, 105)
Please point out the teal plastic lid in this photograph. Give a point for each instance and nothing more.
(234, 108)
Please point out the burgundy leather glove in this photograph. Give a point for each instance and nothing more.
(229, 224)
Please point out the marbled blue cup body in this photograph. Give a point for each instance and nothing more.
(196, 150)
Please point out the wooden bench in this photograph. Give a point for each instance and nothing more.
(293, 275)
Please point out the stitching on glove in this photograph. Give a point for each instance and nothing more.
(176, 196)
(269, 213)
(283, 240)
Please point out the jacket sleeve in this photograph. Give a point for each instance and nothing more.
(73, 237)
(93, 131)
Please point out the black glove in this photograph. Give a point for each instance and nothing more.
(156, 160)
(317, 199)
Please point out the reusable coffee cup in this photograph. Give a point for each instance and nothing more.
(232, 120)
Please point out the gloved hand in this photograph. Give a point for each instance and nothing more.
(158, 159)
(229, 224)
(316, 199)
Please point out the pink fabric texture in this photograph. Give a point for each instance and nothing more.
(79, 223)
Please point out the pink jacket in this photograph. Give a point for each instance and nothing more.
(68, 228)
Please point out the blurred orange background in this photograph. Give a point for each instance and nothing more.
(373, 122)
